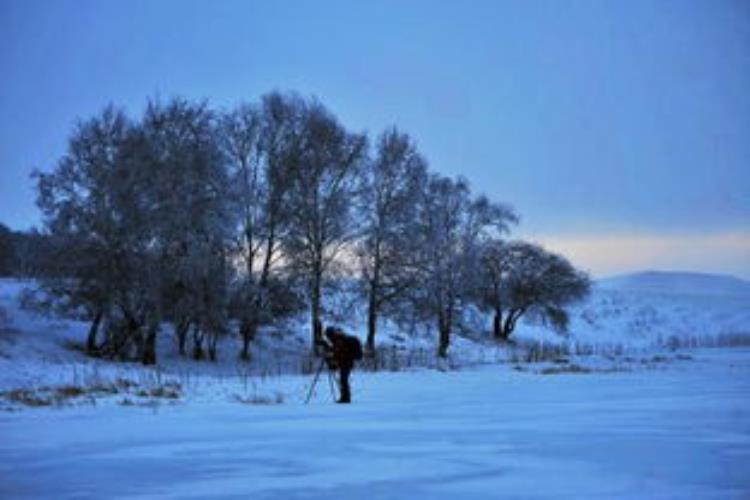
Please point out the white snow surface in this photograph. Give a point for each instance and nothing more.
(682, 431)
(632, 420)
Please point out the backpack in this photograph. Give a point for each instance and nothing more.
(354, 346)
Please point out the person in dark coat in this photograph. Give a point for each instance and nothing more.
(340, 351)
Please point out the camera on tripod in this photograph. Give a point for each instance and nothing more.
(326, 352)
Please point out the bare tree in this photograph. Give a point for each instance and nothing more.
(453, 224)
(519, 278)
(191, 221)
(325, 172)
(96, 257)
(137, 220)
(387, 252)
(494, 267)
(147, 220)
(258, 143)
(241, 141)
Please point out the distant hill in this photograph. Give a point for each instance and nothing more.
(672, 282)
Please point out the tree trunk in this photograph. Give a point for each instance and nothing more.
(497, 325)
(508, 326)
(248, 329)
(128, 335)
(181, 331)
(372, 311)
(245, 353)
(93, 331)
(266, 272)
(149, 346)
(444, 342)
(372, 323)
(213, 340)
(317, 325)
(198, 353)
(444, 335)
(510, 322)
(513, 324)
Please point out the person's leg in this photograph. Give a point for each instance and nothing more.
(346, 395)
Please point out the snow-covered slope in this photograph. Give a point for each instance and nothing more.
(638, 313)
(652, 310)
(678, 283)
(638, 319)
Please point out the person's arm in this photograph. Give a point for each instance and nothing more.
(328, 352)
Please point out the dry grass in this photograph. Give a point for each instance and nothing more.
(167, 390)
(28, 397)
(574, 369)
(70, 395)
(558, 370)
(256, 399)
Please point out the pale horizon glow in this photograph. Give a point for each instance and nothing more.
(609, 255)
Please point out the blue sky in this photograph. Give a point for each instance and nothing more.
(620, 130)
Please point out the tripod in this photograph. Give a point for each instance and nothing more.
(331, 383)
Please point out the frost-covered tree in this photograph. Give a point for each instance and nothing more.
(25, 252)
(453, 226)
(518, 278)
(325, 161)
(191, 222)
(492, 270)
(387, 251)
(138, 224)
(98, 256)
(192, 216)
(240, 137)
(20, 251)
(258, 142)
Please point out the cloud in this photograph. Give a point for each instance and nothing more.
(602, 255)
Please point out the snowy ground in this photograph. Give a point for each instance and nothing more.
(644, 416)
(679, 429)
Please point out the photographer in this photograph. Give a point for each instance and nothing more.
(340, 351)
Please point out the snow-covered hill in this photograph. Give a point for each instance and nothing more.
(651, 311)
(678, 283)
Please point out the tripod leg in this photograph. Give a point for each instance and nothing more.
(315, 381)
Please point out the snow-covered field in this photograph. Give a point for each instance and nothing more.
(642, 417)
(679, 430)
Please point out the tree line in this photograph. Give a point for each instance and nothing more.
(18, 252)
(223, 221)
